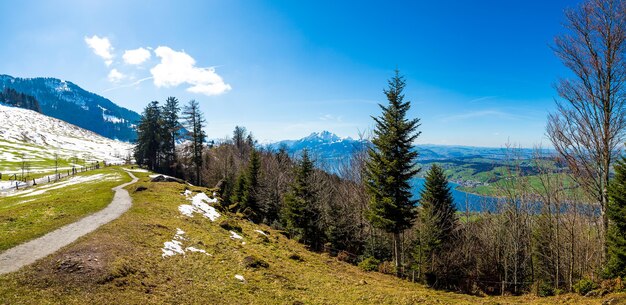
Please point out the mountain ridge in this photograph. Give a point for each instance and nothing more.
(69, 102)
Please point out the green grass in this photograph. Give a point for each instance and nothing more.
(24, 217)
(121, 263)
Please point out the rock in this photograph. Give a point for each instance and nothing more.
(140, 189)
(162, 178)
(296, 257)
(254, 262)
(230, 225)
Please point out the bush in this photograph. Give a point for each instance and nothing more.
(369, 264)
(584, 286)
(345, 257)
(387, 267)
(545, 290)
(612, 285)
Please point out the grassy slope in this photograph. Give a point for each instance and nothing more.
(24, 217)
(121, 263)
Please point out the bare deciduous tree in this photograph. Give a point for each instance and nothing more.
(588, 125)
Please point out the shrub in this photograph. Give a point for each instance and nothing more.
(345, 257)
(545, 290)
(369, 264)
(387, 267)
(584, 286)
(612, 285)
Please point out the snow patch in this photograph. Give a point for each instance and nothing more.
(234, 235)
(199, 204)
(261, 232)
(175, 246)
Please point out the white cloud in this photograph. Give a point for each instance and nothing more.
(178, 68)
(116, 76)
(136, 56)
(101, 47)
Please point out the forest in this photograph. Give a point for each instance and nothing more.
(565, 233)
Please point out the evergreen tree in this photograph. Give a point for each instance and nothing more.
(616, 237)
(391, 166)
(300, 213)
(149, 137)
(238, 193)
(171, 127)
(438, 220)
(251, 201)
(194, 124)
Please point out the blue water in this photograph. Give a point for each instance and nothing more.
(462, 200)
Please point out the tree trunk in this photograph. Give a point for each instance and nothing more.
(396, 252)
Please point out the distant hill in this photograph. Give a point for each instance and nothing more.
(66, 101)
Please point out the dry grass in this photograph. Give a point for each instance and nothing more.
(121, 263)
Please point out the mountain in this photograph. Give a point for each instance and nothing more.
(328, 147)
(324, 146)
(66, 101)
(28, 135)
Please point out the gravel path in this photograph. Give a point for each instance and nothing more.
(25, 254)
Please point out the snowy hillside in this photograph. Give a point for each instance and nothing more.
(26, 134)
(67, 101)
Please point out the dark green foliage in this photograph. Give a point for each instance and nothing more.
(584, 286)
(438, 213)
(616, 210)
(195, 122)
(391, 166)
(251, 200)
(16, 99)
(437, 227)
(245, 193)
(545, 289)
(369, 264)
(171, 127)
(392, 163)
(300, 212)
(150, 133)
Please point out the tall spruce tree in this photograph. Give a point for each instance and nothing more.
(149, 136)
(171, 127)
(438, 220)
(300, 213)
(616, 212)
(391, 166)
(194, 120)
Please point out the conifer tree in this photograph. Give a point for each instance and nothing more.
(251, 201)
(438, 219)
(171, 127)
(300, 213)
(149, 135)
(616, 237)
(194, 124)
(391, 166)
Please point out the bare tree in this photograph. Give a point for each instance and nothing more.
(588, 125)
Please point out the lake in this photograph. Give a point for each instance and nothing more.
(462, 200)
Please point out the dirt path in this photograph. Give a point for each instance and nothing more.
(25, 254)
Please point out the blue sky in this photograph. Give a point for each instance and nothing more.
(479, 73)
